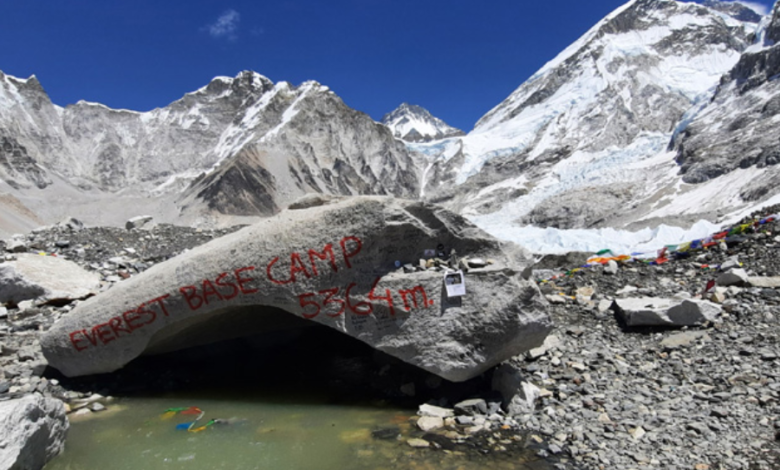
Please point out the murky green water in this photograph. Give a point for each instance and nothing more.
(132, 434)
(313, 403)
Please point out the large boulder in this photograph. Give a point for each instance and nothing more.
(335, 261)
(651, 311)
(32, 431)
(138, 222)
(45, 278)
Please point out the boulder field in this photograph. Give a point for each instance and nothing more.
(373, 268)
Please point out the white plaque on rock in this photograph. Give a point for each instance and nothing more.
(455, 283)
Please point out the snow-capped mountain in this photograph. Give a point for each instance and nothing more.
(730, 148)
(237, 146)
(664, 111)
(584, 142)
(413, 123)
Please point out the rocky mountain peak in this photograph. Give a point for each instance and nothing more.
(245, 82)
(773, 28)
(736, 10)
(414, 123)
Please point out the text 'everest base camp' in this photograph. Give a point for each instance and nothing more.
(335, 261)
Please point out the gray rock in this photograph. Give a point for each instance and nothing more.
(435, 411)
(72, 224)
(765, 282)
(16, 244)
(418, 443)
(550, 343)
(611, 267)
(604, 305)
(430, 423)
(32, 431)
(519, 395)
(476, 263)
(138, 222)
(650, 311)
(555, 299)
(45, 278)
(97, 406)
(334, 265)
(731, 263)
(684, 339)
(733, 277)
(464, 420)
(471, 407)
(626, 290)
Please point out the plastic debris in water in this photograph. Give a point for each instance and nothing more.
(171, 412)
(191, 426)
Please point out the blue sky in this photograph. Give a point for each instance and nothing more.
(456, 58)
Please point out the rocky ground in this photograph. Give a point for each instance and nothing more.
(704, 397)
(610, 396)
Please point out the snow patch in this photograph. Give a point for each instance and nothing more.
(556, 241)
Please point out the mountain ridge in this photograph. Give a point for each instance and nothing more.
(604, 134)
(413, 123)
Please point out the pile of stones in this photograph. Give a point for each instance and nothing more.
(601, 393)
(113, 254)
(705, 395)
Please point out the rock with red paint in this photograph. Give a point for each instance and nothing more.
(334, 263)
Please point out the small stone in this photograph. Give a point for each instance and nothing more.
(611, 268)
(684, 339)
(555, 299)
(435, 411)
(697, 427)
(550, 342)
(718, 297)
(464, 420)
(474, 429)
(719, 412)
(430, 423)
(472, 407)
(418, 443)
(138, 222)
(586, 292)
(626, 290)
(733, 277)
(385, 434)
(767, 355)
(97, 406)
(731, 263)
(637, 433)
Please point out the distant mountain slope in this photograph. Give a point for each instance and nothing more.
(237, 146)
(737, 129)
(664, 111)
(730, 149)
(584, 141)
(415, 124)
